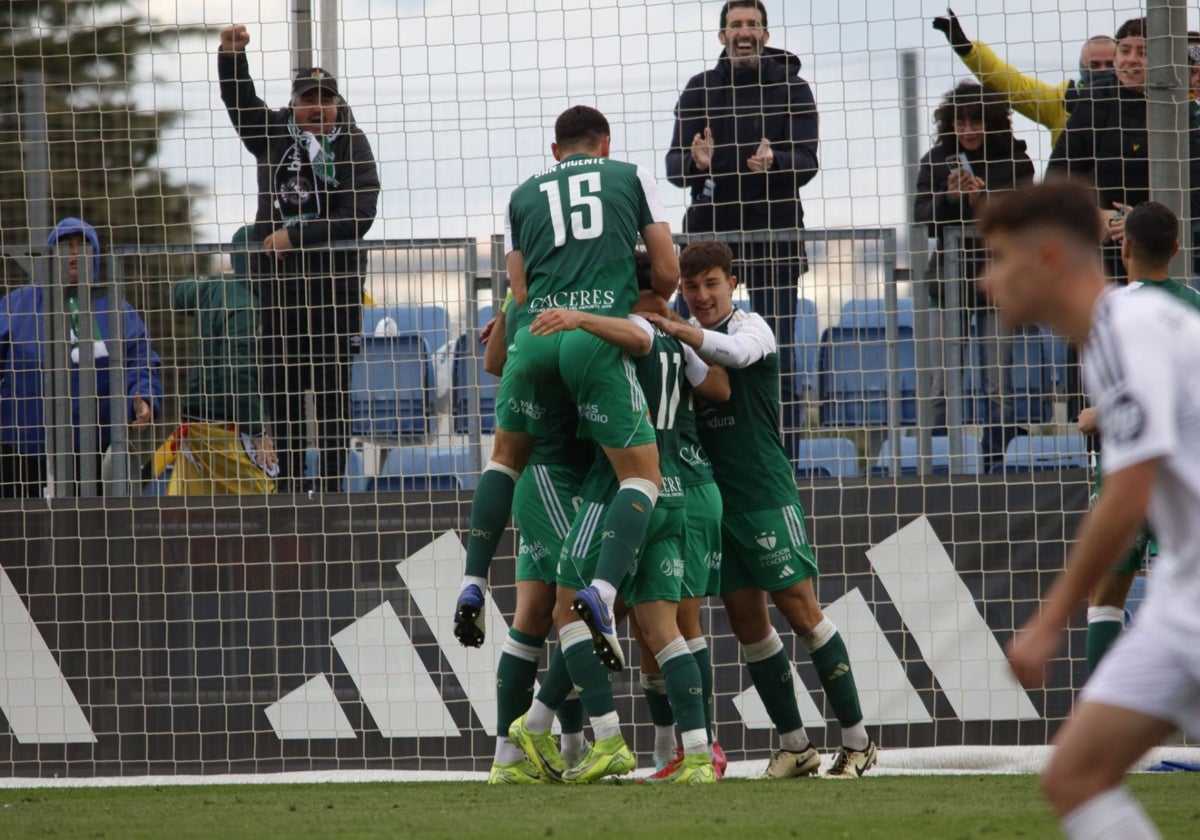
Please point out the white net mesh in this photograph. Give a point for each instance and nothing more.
(305, 620)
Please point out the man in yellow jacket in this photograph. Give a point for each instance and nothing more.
(1044, 103)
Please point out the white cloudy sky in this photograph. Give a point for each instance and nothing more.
(458, 96)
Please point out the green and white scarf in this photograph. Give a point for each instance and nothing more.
(318, 149)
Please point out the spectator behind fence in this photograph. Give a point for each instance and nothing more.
(975, 155)
(24, 358)
(1044, 103)
(744, 143)
(317, 185)
(222, 444)
(1106, 142)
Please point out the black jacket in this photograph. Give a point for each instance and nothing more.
(1106, 142)
(742, 108)
(322, 284)
(1002, 166)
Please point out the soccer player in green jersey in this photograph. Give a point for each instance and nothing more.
(765, 546)
(543, 506)
(569, 238)
(1151, 240)
(652, 590)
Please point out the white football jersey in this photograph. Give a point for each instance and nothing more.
(1141, 366)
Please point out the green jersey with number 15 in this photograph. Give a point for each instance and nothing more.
(576, 226)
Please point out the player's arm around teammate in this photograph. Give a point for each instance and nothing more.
(765, 547)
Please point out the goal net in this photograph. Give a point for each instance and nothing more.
(180, 596)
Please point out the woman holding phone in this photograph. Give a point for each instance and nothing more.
(975, 155)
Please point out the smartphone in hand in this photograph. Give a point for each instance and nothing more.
(964, 164)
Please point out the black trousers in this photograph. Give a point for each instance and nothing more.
(292, 365)
(24, 476)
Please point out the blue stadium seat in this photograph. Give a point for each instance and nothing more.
(458, 382)
(808, 346)
(968, 463)
(1033, 453)
(312, 463)
(157, 486)
(1031, 376)
(872, 312)
(853, 376)
(431, 321)
(356, 480)
(1058, 358)
(826, 458)
(390, 387)
(423, 468)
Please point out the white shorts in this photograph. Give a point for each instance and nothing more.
(1144, 675)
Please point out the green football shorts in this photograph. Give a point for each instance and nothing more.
(544, 504)
(657, 574)
(575, 367)
(765, 548)
(702, 541)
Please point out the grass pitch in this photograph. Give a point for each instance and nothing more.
(886, 806)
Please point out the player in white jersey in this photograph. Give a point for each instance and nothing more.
(1141, 355)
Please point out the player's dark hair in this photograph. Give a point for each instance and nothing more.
(743, 4)
(1153, 232)
(702, 257)
(580, 126)
(1060, 203)
(1132, 28)
(641, 264)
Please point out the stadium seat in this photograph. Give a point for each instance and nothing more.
(1033, 453)
(853, 375)
(1058, 358)
(356, 480)
(826, 458)
(458, 383)
(872, 312)
(431, 321)
(390, 384)
(423, 468)
(941, 463)
(1031, 376)
(808, 346)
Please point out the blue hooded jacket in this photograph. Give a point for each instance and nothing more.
(23, 358)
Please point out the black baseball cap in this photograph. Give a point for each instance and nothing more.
(313, 78)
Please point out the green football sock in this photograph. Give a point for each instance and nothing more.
(624, 528)
(772, 677)
(589, 676)
(683, 685)
(491, 506)
(515, 674)
(570, 716)
(556, 685)
(1104, 626)
(704, 663)
(833, 667)
(654, 687)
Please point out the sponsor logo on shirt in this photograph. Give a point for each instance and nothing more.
(530, 409)
(693, 455)
(671, 486)
(1125, 419)
(585, 299)
(591, 412)
(717, 422)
